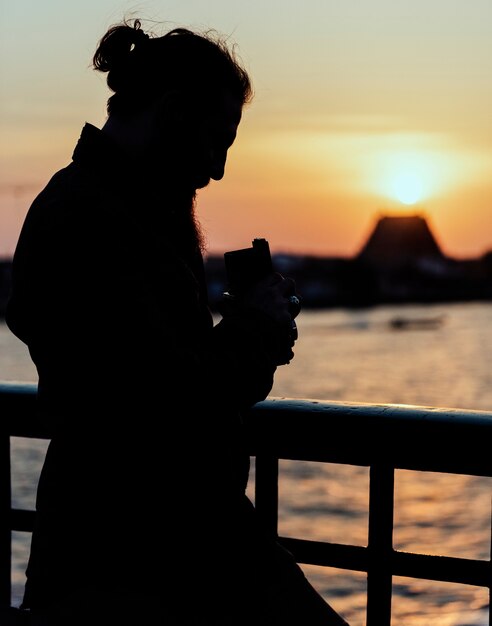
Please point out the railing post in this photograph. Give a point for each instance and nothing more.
(5, 524)
(380, 545)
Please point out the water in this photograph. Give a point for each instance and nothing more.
(359, 356)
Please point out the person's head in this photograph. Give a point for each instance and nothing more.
(188, 87)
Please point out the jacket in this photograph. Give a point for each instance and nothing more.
(147, 468)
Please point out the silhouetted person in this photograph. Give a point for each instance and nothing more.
(142, 514)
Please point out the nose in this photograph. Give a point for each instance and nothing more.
(218, 160)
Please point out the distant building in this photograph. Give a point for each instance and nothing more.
(408, 265)
(401, 241)
(400, 262)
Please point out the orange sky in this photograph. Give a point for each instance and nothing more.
(360, 107)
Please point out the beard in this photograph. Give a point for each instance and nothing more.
(187, 228)
(173, 181)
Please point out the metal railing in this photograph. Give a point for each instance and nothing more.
(383, 438)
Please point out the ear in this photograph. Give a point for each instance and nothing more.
(171, 108)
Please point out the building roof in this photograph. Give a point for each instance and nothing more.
(400, 240)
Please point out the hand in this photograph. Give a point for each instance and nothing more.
(276, 297)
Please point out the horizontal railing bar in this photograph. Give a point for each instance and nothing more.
(442, 568)
(400, 436)
(327, 554)
(356, 558)
(423, 566)
(430, 567)
(18, 415)
(403, 436)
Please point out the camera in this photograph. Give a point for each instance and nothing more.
(247, 266)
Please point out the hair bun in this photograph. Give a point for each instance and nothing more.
(116, 45)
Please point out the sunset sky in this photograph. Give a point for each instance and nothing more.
(362, 108)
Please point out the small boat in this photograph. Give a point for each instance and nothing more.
(416, 323)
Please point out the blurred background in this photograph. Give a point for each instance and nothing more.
(365, 159)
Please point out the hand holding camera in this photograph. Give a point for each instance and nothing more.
(253, 283)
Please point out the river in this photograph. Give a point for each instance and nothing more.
(432, 355)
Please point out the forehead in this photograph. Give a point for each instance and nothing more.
(227, 109)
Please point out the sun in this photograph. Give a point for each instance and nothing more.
(407, 187)
(407, 177)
